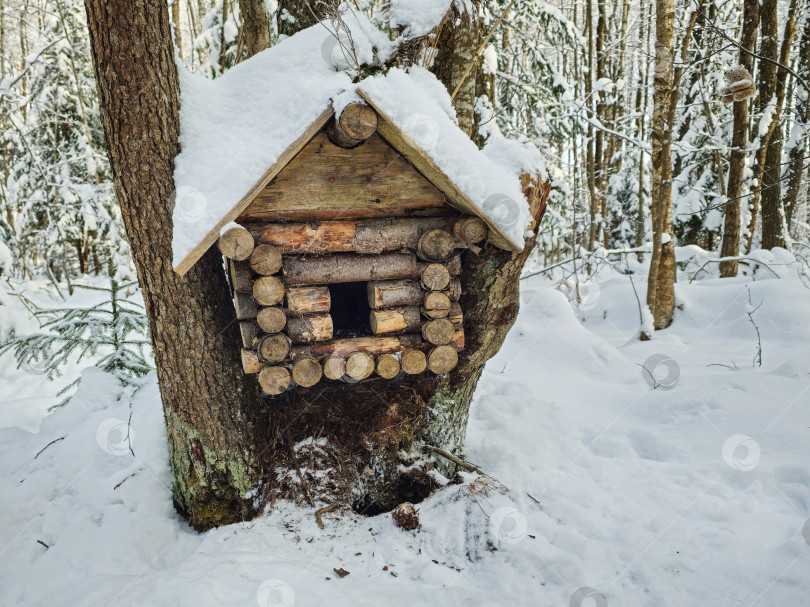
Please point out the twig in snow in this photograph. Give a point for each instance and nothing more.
(758, 357)
(56, 440)
(43, 543)
(126, 478)
(324, 510)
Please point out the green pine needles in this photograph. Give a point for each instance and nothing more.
(114, 329)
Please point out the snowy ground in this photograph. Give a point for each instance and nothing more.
(689, 489)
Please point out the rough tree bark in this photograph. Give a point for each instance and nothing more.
(798, 154)
(211, 408)
(661, 281)
(295, 15)
(739, 153)
(773, 213)
(256, 25)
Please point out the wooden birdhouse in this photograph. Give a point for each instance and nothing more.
(345, 257)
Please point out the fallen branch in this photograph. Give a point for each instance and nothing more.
(48, 445)
(454, 459)
(330, 508)
(734, 258)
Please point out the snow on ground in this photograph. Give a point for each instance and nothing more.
(693, 493)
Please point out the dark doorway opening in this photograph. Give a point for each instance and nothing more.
(350, 310)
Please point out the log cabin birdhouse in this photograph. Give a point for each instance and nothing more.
(344, 255)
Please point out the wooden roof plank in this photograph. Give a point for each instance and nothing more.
(198, 251)
(406, 146)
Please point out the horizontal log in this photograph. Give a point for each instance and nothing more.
(309, 329)
(370, 236)
(435, 277)
(249, 331)
(239, 272)
(308, 300)
(436, 305)
(251, 362)
(245, 305)
(349, 267)
(392, 320)
(236, 243)
(405, 292)
(342, 348)
(356, 123)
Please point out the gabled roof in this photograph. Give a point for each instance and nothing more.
(239, 131)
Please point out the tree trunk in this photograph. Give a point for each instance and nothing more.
(178, 40)
(798, 154)
(211, 408)
(256, 25)
(739, 154)
(661, 281)
(295, 15)
(773, 213)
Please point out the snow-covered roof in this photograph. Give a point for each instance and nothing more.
(238, 131)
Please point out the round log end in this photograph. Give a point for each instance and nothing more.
(413, 361)
(274, 348)
(470, 229)
(436, 245)
(268, 290)
(307, 372)
(442, 359)
(236, 243)
(271, 320)
(359, 365)
(435, 277)
(334, 367)
(274, 380)
(265, 259)
(388, 366)
(358, 120)
(438, 332)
